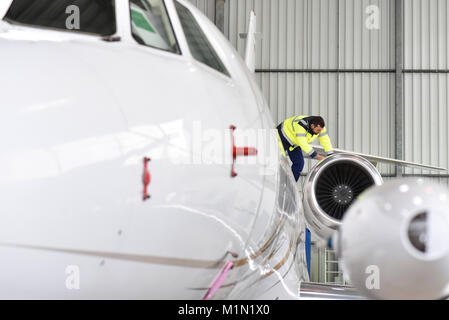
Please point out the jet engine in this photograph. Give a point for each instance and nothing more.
(331, 187)
(393, 242)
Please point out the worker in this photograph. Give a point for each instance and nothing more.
(296, 133)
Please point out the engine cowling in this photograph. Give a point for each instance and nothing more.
(394, 241)
(332, 186)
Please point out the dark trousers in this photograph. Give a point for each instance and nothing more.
(295, 155)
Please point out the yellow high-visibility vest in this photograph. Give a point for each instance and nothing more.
(297, 132)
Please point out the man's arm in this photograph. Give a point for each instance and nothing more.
(325, 141)
(301, 141)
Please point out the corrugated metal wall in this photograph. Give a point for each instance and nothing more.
(206, 6)
(315, 34)
(426, 47)
(309, 48)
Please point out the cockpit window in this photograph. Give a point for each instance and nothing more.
(200, 47)
(91, 16)
(150, 25)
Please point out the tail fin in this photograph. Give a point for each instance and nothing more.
(250, 53)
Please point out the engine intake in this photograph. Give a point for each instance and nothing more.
(332, 186)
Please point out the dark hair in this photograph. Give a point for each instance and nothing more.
(317, 121)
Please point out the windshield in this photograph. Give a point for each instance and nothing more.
(94, 16)
(199, 45)
(150, 25)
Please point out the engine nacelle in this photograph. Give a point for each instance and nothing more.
(394, 241)
(331, 187)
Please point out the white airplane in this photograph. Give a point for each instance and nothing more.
(128, 165)
(87, 112)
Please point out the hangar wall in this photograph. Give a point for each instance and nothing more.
(337, 58)
(207, 7)
(426, 82)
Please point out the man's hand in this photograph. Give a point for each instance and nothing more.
(319, 157)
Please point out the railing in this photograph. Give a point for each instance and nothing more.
(332, 271)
